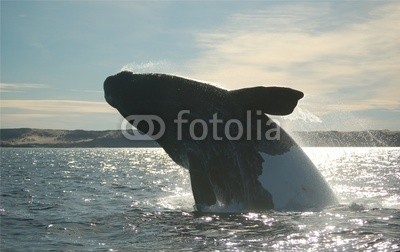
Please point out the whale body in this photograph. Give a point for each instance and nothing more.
(235, 154)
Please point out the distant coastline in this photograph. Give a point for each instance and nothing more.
(26, 137)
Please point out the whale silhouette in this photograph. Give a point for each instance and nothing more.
(235, 154)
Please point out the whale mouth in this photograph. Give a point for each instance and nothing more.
(110, 100)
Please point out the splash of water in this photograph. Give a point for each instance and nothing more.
(147, 67)
(304, 115)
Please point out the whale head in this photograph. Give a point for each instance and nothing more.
(153, 94)
(129, 92)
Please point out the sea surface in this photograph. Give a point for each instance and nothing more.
(140, 200)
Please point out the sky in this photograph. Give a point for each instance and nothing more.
(344, 55)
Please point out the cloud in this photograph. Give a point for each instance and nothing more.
(86, 91)
(20, 87)
(356, 61)
(58, 114)
(61, 121)
(57, 106)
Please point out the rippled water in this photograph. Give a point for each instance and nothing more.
(138, 199)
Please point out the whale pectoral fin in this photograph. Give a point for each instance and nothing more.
(203, 192)
(270, 100)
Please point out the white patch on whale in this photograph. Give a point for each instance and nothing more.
(294, 182)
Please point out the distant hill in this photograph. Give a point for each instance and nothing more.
(26, 137)
(67, 138)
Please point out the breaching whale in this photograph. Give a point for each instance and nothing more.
(235, 154)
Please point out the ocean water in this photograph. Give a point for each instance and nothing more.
(139, 199)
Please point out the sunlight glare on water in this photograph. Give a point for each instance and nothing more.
(370, 176)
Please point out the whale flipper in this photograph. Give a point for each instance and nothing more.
(270, 100)
(203, 192)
